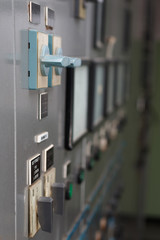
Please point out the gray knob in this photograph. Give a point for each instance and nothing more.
(45, 213)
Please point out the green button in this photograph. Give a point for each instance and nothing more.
(70, 190)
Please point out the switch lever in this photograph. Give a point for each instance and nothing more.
(45, 213)
(57, 60)
(48, 60)
(58, 194)
(75, 62)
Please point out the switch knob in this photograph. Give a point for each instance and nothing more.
(58, 194)
(45, 213)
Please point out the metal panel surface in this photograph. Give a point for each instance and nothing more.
(7, 126)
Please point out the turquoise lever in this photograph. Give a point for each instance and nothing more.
(58, 60)
(48, 60)
(55, 61)
(75, 62)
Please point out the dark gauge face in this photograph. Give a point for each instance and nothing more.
(80, 102)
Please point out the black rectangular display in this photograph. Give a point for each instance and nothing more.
(48, 157)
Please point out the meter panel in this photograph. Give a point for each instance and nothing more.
(96, 94)
(76, 104)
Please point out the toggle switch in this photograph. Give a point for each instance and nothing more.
(45, 213)
(58, 194)
(45, 52)
(57, 60)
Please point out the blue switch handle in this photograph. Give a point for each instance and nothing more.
(75, 62)
(58, 60)
(55, 61)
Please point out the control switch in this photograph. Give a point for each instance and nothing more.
(45, 213)
(45, 52)
(58, 194)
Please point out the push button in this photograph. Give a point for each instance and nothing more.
(69, 190)
(80, 175)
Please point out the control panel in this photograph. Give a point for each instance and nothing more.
(68, 122)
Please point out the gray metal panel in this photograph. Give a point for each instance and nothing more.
(7, 157)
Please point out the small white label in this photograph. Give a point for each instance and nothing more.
(41, 137)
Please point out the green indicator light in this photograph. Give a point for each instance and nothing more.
(70, 190)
